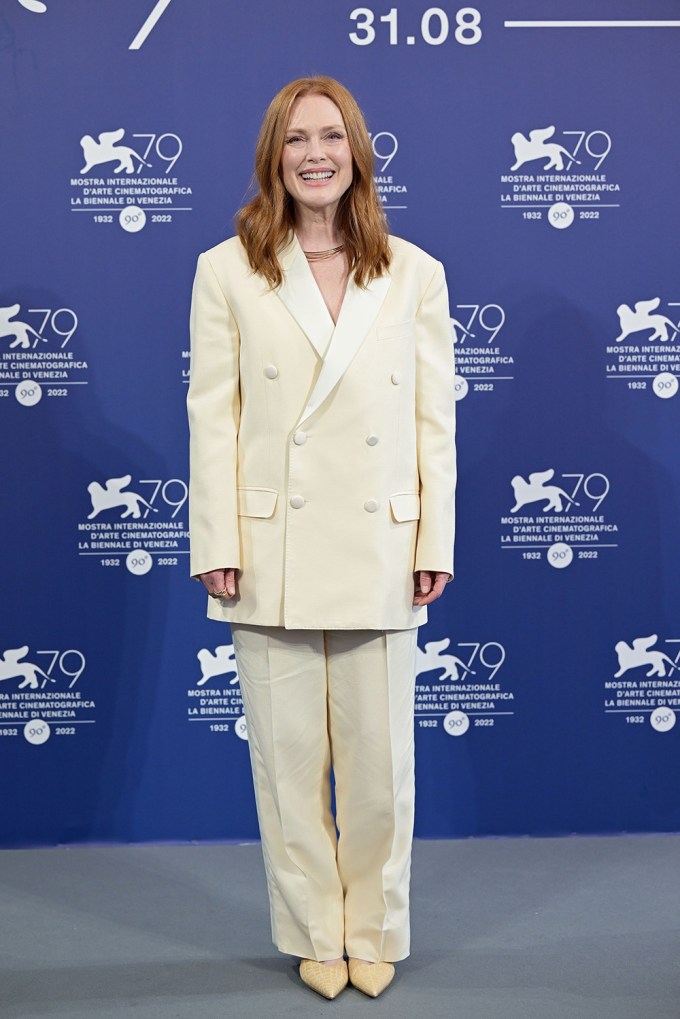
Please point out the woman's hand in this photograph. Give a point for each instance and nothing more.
(220, 583)
(428, 586)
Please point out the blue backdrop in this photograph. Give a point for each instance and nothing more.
(539, 162)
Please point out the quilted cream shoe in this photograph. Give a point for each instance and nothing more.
(370, 977)
(325, 980)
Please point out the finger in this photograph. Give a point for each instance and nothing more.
(214, 583)
(417, 587)
(424, 596)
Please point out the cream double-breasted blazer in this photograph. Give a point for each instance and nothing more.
(322, 456)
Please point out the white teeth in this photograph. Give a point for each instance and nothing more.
(318, 175)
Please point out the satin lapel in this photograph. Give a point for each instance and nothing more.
(358, 313)
(301, 295)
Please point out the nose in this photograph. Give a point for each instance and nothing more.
(315, 149)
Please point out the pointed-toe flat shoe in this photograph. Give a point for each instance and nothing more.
(325, 980)
(370, 977)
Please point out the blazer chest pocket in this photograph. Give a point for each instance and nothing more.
(397, 331)
(405, 506)
(256, 502)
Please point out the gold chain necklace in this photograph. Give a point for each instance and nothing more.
(316, 256)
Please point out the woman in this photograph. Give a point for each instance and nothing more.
(322, 520)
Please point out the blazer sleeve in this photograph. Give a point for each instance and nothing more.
(435, 428)
(214, 407)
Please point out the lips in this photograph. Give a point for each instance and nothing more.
(317, 176)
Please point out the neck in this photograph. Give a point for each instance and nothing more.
(316, 229)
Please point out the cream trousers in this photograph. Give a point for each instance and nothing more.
(313, 698)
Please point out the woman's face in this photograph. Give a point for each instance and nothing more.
(316, 163)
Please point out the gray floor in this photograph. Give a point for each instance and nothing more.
(575, 928)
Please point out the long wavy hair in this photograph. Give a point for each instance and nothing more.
(264, 223)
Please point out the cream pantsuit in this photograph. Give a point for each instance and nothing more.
(322, 468)
(346, 693)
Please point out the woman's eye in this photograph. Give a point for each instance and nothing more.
(293, 138)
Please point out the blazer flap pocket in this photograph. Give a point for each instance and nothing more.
(405, 506)
(256, 502)
(396, 331)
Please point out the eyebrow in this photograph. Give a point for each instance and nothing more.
(301, 130)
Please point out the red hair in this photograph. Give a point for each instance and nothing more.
(264, 223)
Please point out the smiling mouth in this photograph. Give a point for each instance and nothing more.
(317, 175)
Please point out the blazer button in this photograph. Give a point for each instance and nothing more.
(370, 505)
(371, 439)
(396, 378)
(300, 437)
(271, 371)
(297, 501)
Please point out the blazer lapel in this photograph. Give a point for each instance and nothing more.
(335, 345)
(358, 313)
(301, 295)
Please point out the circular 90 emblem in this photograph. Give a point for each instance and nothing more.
(456, 723)
(662, 719)
(28, 393)
(560, 215)
(139, 561)
(665, 385)
(132, 219)
(560, 555)
(460, 387)
(37, 731)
